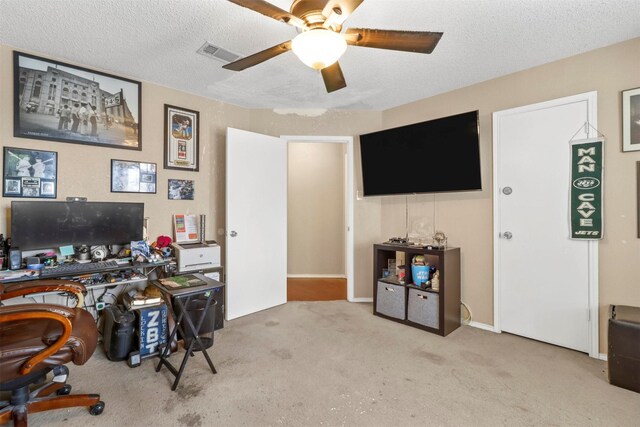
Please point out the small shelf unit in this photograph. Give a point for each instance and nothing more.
(436, 311)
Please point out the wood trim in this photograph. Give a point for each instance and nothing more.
(42, 286)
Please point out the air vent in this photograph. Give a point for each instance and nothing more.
(216, 52)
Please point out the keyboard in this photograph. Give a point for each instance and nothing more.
(77, 269)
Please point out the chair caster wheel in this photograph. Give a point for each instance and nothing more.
(97, 408)
(64, 390)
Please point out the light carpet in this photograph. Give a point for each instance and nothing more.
(334, 363)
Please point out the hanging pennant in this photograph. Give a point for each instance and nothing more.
(587, 158)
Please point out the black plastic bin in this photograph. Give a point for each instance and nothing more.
(194, 311)
(119, 325)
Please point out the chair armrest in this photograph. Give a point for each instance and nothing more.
(56, 313)
(13, 290)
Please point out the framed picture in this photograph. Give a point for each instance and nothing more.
(631, 120)
(55, 101)
(181, 189)
(638, 195)
(181, 134)
(133, 177)
(29, 173)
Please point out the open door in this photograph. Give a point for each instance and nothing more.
(256, 222)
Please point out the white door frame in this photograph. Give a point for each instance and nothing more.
(592, 102)
(349, 180)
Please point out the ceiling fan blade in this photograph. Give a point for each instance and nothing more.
(271, 11)
(257, 58)
(333, 78)
(337, 11)
(408, 41)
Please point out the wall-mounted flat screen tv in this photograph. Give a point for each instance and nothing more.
(438, 155)
(40, 225)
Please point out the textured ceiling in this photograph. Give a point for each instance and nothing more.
(156, 41)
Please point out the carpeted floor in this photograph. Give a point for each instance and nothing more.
(334, 363)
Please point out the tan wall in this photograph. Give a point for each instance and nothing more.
(467, 217)
(316, 209)
(84, 170)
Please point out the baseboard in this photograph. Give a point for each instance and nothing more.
(316, 276)
(361, 300)
(603, 356)
(482, 326)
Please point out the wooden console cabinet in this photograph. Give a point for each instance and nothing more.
(433, 311)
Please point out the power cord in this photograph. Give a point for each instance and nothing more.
(466, 313)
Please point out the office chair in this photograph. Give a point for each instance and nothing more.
(36, 339)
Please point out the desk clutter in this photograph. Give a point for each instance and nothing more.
(145, 297)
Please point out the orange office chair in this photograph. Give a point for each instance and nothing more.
(36, 339)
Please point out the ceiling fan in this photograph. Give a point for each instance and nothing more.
(321, 42)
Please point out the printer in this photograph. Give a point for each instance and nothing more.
(196, 256)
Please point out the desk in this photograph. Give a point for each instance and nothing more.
(97, 283)
(12, 276)
(180, 298)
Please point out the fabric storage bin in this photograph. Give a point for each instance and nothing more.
(423, 308)
(391, 300)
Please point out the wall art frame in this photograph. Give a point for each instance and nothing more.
(182, 135)
(29, 173)
(56, 101)
(129, 176)
(631, 120)
(181, 189)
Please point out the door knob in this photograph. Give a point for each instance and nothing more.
(507, 190)
(507, 235)
(233, 234)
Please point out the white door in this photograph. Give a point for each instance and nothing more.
(256, 217)
(543, 279)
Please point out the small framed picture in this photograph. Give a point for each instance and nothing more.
(181, 131)
(133, 177)
(181, 189)
(631, 120)
(29, 173)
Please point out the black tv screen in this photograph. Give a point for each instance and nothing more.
(44, 225)
(433, 156)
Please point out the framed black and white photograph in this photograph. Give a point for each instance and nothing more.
(181, 134)
(55, 101)
(133, 177)
(29, 173)
(631, 120)
(181, 189)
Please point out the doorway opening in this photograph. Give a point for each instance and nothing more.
(319, 218)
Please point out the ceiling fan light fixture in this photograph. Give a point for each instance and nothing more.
(319, 48)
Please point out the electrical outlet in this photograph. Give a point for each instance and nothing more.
(100, 306)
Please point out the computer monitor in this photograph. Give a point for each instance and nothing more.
(43, 225)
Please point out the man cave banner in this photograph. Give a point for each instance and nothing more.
(586, 189)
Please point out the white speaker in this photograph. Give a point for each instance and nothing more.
(98, 253)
